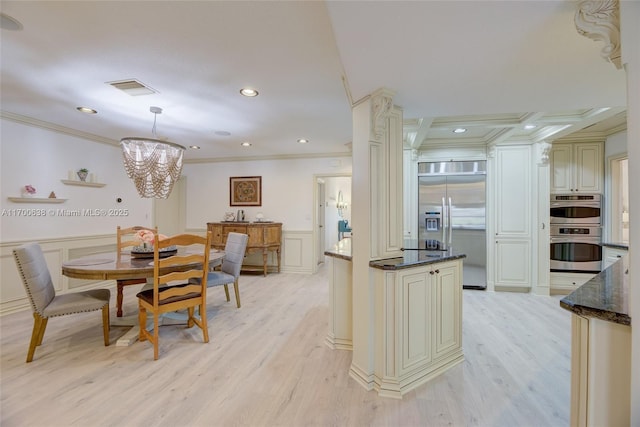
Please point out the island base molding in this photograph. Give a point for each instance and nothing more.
(396, 388)
(335, 343)
(600, 366)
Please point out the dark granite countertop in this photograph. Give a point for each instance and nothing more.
(413, 258)
(410, 258)
(616, 245)
(605, 297)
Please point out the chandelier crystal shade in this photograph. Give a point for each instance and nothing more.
(152, 164)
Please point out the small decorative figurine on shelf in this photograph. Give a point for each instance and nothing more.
(28, 191)
(52, 195)
(82, 174)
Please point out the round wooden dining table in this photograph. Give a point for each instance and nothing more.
(114, 266)
(121, 267)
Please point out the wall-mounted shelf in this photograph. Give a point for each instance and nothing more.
(35, 200)
(82, 183)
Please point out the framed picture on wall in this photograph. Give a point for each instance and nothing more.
(245, 191)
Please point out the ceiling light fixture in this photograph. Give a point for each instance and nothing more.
(153, 165)
(459, 130)
(529, 127)
(10, 23)
(246, 144)
(86, 110)
(248, 92)
(303, 141)
(195, 147)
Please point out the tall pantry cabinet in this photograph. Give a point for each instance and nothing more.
(511, 236)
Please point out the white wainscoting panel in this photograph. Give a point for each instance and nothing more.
(297, 252)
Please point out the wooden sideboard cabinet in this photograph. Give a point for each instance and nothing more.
(264, 237)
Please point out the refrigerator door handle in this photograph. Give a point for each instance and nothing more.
(449, 224)
(445, 224)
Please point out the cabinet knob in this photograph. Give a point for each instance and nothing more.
(431, 272)
(437, 271)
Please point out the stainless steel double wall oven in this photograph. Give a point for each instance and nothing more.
(576, 237)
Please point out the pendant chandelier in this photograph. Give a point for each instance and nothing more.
(152, 164)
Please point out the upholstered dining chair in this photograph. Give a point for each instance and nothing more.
(229, 272)
(125, 239)
(36, 279)
(167, 296)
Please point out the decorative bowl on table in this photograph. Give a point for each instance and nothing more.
(147, 251)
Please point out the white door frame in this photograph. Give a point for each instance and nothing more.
(316, 202)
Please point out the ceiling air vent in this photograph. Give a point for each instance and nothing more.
(133, 87)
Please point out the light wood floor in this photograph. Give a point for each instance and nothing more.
(267, 365)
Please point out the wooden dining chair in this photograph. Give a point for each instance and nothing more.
(167, 296)
(36, 279)
(229, 273)
(126, 239)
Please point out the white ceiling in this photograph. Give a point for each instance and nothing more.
(488, 66)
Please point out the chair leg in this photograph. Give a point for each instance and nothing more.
(190, 311)
(39, 325)
(226, 292)
(105, 324)
(43, 326)
(156, 335)
(204, 321)
(119, 298)
(237, 290)
(142, 320)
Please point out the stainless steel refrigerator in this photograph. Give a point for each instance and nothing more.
(451, 201)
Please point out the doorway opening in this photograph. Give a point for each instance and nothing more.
(332, 199)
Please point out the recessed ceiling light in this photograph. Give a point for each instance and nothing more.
(246, 144)
(195, 147)
(529, 127)
(10, 23)
(86, 110)
(459, 130)
(222, 133)
(248, 92)
(303, 141)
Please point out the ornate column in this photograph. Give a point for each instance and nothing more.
(377, 213)
(542, 286)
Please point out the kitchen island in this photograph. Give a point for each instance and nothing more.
(601, 348)
(418, 315)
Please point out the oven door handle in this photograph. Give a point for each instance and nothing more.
(575, 205)
(590, 240)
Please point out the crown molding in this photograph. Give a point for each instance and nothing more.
(263, 158)
(30, 121)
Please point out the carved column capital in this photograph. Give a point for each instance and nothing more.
(381, 103)
(491, 152)
(600, 20)
(544, 148)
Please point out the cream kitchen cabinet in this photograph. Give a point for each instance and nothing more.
(512, 226)
(418, 325)
(565, 283)
(577, 167)
(611, 255)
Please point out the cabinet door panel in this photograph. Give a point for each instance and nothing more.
(417, 312)
(588, 167)
(272, 235)
(560, 159)
(513, 191)
(513, 262)
(448, 305)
